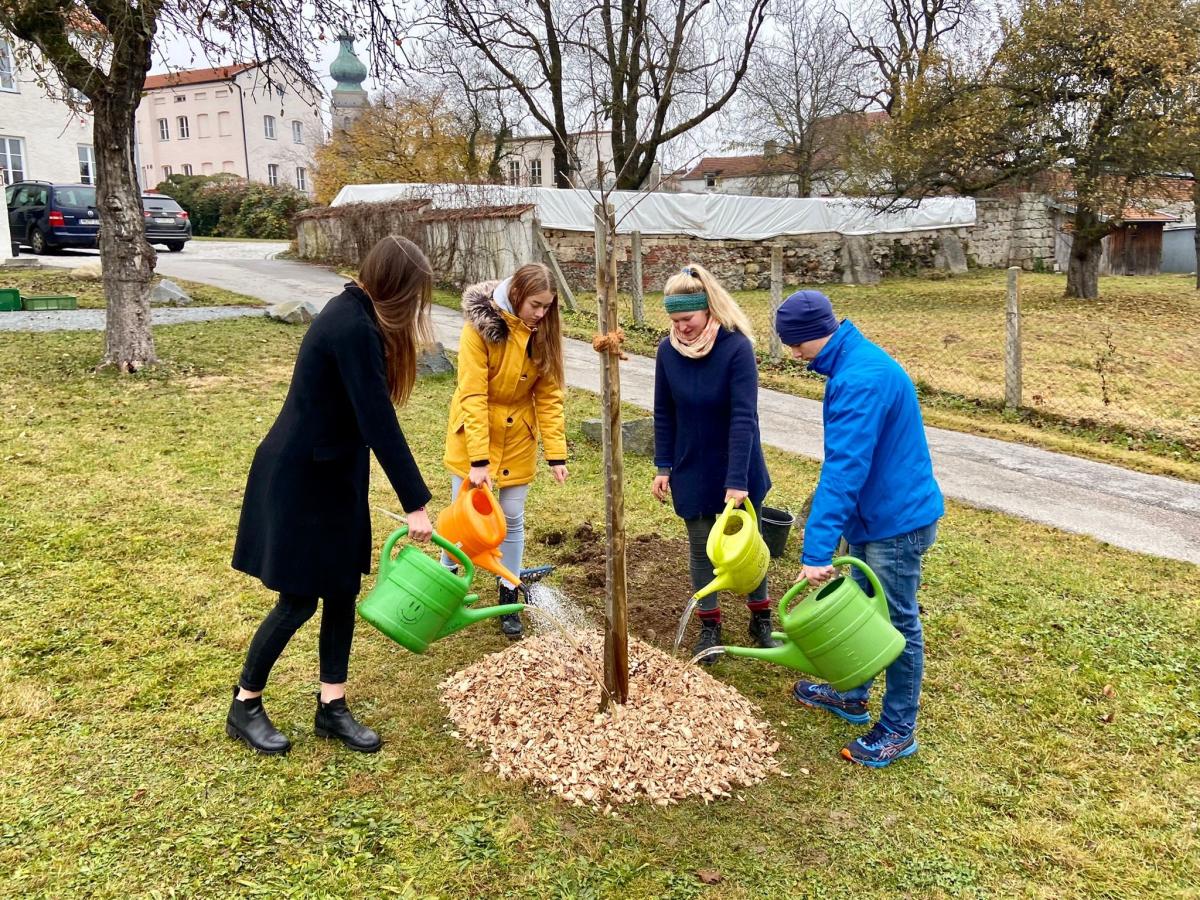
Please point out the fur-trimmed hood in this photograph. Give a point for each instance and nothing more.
(483, 305)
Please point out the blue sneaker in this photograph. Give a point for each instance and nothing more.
(822, 696)
(879, 747)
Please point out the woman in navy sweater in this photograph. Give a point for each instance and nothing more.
(706, 442)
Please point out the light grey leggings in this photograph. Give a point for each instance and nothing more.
(512, 502)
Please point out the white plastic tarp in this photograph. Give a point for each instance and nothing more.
(712, 216)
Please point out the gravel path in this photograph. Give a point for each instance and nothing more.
(93, 319)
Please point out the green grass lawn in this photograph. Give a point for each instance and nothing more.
(949, 335)
(1060, 728)
(90, 291)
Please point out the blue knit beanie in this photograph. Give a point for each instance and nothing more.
(805, 316)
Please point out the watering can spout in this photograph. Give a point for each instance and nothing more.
(465, 615)
(787, 654)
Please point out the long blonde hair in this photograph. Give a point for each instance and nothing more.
(695, 279)
(397, 277)
(530, 279)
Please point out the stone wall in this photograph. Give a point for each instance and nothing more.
(1012, 231)
(745, 265)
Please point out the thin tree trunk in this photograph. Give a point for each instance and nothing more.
(128, 261)
(1196, 207)
(1083, 268)
(616, 623)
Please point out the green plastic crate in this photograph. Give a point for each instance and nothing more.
(10, 299)
(49, 301)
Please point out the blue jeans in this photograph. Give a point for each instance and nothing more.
(896, 562)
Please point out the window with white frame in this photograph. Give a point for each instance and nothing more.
(224, 128)
(187, 168)
(514, 171)
(302, 178)
(87, 164)
(181, 127)
(202, 125)
(269, 127)
(167, 172)
(535, 172)
(8, 74)
(12, 159)
(297, 132)
(272, 174)
(180, 98)
(164, 130)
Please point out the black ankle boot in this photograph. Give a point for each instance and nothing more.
(710, 636)
(760, 628)
(511, 623)
(334, 720)
(248, 722)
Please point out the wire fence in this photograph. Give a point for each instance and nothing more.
(1127, 364)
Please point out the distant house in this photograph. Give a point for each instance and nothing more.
(41, 137)
(772, 173)
(529, 161)
(249, 119)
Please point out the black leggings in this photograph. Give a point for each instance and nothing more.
(292, 611)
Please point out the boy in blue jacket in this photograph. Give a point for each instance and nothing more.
(877, 489)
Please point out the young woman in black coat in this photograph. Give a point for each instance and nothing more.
(305, 527)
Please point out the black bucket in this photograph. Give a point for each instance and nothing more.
(776, 524)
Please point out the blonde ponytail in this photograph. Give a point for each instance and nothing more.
(694, 279)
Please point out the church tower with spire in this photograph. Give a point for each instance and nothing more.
(349, 98)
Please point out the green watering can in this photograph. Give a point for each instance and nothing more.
(838, 634)
(417, 600)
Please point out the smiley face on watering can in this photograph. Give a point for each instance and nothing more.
(412, 612)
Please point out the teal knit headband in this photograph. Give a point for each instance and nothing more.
(677, 303)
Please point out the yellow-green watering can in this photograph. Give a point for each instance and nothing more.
(737, 551)
(837, 633)
(416, 600)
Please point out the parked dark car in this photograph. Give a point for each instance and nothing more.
(48, 217)
(166, 222)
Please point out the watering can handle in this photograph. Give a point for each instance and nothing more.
(386, 561)
(800, 585)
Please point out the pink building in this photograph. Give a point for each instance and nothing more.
(258, 121)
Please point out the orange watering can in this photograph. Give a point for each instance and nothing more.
(737, 551)
(476, 523)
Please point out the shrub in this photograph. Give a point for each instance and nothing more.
(226, 205)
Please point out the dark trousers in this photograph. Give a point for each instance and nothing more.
(701, 567)
(290, 612)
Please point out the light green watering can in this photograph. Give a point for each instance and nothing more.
(417, 600)
(737, 551)
(838, 633)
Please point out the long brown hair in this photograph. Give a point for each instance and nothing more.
(530, 279)
(399, 280)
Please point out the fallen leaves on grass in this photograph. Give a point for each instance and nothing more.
(682, 733)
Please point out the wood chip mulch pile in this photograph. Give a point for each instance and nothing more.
(682, 734)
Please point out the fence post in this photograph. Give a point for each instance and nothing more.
(635, 272)
(776, 297)
(1012, 343)
(564, 289)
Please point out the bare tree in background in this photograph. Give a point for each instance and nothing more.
(488, 110)
(799, 96)
(525, 43)
(103, 49)
(897, 40)
(662, 67)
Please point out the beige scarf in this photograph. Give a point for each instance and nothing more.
(701, 344)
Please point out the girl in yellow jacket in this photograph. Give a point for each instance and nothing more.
(510, 391)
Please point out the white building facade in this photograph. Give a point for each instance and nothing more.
(248, 120)
(41, 138)
(529, 161)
